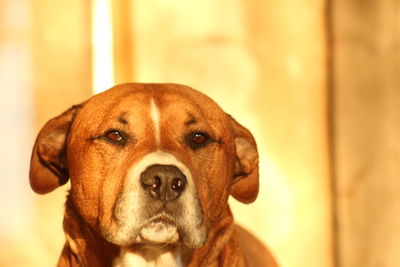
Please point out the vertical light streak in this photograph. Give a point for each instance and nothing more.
(102, 46)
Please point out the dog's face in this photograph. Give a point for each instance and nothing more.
(148, 163)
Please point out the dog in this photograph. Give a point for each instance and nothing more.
(151, 168)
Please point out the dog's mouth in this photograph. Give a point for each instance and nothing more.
(160, 229)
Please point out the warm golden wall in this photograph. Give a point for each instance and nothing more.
(238, 57)
(366, 108)
(44, 69)
(322, 100)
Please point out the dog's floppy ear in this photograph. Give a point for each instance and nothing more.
(48, 168)
(245, 181)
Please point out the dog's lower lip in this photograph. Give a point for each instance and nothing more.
(163, 219)
(160, 229)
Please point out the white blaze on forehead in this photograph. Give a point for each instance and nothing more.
(155, 117)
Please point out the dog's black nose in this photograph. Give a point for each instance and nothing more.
(163, 182)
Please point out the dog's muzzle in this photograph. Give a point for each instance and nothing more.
(158, 204)
(163, 182)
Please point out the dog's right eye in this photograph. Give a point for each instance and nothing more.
(115, 137)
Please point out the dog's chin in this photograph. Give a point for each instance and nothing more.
(159, 230)
(158, 233)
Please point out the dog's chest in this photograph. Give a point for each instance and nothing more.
(150, 258)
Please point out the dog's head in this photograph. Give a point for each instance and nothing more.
(149, 163)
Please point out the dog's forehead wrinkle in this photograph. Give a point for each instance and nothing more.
(123, 118)
(192, 119)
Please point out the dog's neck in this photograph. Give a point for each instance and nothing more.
(85, 247)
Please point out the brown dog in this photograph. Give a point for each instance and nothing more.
(151, 169)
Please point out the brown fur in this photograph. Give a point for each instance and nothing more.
(69, 147)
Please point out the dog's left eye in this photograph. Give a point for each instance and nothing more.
(198, 139)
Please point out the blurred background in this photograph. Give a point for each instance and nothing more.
(317, 82)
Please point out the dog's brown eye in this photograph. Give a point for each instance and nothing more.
(114, 136)
(199, 138)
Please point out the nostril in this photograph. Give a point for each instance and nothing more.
(156, 183)
(178, 184)
(151, 182)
